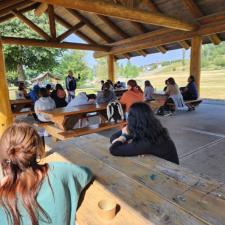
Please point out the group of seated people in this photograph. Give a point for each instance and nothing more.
(33, 193)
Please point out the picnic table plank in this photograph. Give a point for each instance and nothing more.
(144, 203)
(182, 194)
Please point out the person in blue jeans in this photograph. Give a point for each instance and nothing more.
(33, 193)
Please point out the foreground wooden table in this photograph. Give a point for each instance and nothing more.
(18, 105)
(149, 190)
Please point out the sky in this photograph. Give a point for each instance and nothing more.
(139, 60)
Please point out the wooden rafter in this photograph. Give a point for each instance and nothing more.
(66, 34)
(6, 3)
(51, 18)
(8, 9)
(118, 11)
(77, 32)
(52, 44)
(98, 31)
(196, 13)
(184, 44)
(30, 24)
(162, 49)
(113, 27)
(162, 37)
(10, 16)
(42, 8)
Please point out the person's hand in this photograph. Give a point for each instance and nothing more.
(125, 130)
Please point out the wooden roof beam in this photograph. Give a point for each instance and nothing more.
(51, 44)
(31, 24)
(77, 32)
(42, 8)
(196, 13)
(122, 12)
(161, 37)
(113, 27)
(51, 19)
(139, 27)
(142, 52)
(6, 3)
(98, 31)
(66, 34)
(184, 44)
(161, 49)
(150, 5)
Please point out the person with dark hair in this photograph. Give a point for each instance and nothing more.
(59, 96)
(34, 93)
(166, 85)
(134, 94)
(21, 93)
(143, 134)
(43, 103)
(106, 95)
(111, 85)
(33, 193)
(49, 89)
(149, 91)
(190, 91)
(82, 99)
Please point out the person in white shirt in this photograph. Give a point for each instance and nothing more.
(82, 99)
(43, 103)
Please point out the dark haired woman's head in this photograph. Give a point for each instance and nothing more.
(166, 82)
(106, 89)
(171, 81)
(58, 86)
(21, 86)
(48, 87)
(143, 125)
(133, 86)
(91, 97)
(43, 92)
(191, 79)
(148, 83)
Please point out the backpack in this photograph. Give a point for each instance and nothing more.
(115, 111)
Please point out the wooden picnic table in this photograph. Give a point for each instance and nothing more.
(66, 117)
(20, 104)
(149, 190)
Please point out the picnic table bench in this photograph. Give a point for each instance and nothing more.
(20, 104)
(66, 118)
(149, 190)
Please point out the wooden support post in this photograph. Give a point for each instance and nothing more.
(6, 118)
(195, 66)
(111, 68)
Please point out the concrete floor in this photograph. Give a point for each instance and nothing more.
(199, 137)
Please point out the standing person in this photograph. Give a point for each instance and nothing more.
(145, 134)
(134, 94)
(149, 91)
(71, 85)
(33, 193)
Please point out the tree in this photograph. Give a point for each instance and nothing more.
(18, 58)
(75, 61)
(130, 71)
(101, 69)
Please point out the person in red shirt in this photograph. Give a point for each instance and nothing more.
(134, 94)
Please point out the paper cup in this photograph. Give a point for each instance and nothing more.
(107, 209)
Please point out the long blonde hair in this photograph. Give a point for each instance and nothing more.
(20, 148)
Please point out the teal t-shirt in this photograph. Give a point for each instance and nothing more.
(59, 201)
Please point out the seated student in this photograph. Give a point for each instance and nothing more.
(190, 91)
(106, 95)
(111, 85)
(33, 193)
(21, 93)
(134, 94)
(166, 85)
(144, 134)
(34, 93)
(174, 95)
(117, 85)
(59, 96)
(43, 103)
(149, 91)
(82, 99)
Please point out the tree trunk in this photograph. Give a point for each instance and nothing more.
(20, 72)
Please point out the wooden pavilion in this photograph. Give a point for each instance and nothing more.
(117, 29)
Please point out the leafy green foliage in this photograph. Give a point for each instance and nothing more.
(129, 70)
